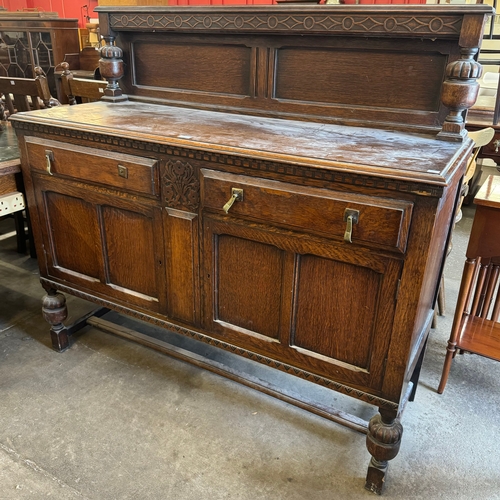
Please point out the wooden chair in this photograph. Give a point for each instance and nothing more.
(21, 94)
(476, 326)
(480, 138)
(80, 90)
(26, 94)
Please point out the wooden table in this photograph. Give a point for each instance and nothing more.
(484, 239)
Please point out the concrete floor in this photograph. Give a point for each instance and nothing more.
(112, 420)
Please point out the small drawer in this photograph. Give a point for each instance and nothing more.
(121, 171)
(380, 222)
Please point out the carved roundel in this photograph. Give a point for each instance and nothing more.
(239, 22)
(390, 24)
(348, 23)
(436, 25)
(272, 22)
(309, 23)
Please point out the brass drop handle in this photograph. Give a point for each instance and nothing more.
(236, 195)
(496, 144)
(351, 217)
(49, 158)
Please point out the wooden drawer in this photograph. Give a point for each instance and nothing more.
(381, 222)
(121, 171)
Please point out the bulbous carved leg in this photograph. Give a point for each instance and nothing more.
(383, 441)
(55, 312)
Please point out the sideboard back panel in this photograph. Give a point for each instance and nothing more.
(306, 77)
(198, 67)
(407, 80)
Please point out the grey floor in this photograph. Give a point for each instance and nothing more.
(110, 419)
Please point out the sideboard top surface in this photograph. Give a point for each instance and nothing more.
(359, 150)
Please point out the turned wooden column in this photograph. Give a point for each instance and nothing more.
(111, 68)
(463, 296)
(55, 312)
(383, 441)
(460, 90)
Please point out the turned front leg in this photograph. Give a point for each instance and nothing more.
(55, 312)
(383, 441)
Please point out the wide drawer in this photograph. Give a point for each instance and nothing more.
(122, 171)
(380, 222)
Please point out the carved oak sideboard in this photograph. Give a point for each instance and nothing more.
(279, 182)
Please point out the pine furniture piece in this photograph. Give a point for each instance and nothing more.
(277, 181)
(476, 324)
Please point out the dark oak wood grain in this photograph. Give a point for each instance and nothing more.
(281, 186)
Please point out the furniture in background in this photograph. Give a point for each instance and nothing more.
(26, 94)
(35, 39)
(476, 326)
(83, 64)
(79, 90)
(480, 138)
(12, 194)
(486, 110)
(228, 198)
(488, 102)
(478, 121)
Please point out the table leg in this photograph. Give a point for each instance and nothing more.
(383, 441)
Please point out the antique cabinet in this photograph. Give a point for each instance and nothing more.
(35, 39)
(282, 186)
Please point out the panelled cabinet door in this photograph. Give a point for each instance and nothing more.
(316, 304)
(106, 244)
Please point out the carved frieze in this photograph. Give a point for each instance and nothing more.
(180, 186)
(305, 22)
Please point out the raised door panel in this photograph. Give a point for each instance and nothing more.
(106, 245)
(324, 307)
(248, 297)
(340, 308)
(74, 236)
(129, 254)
